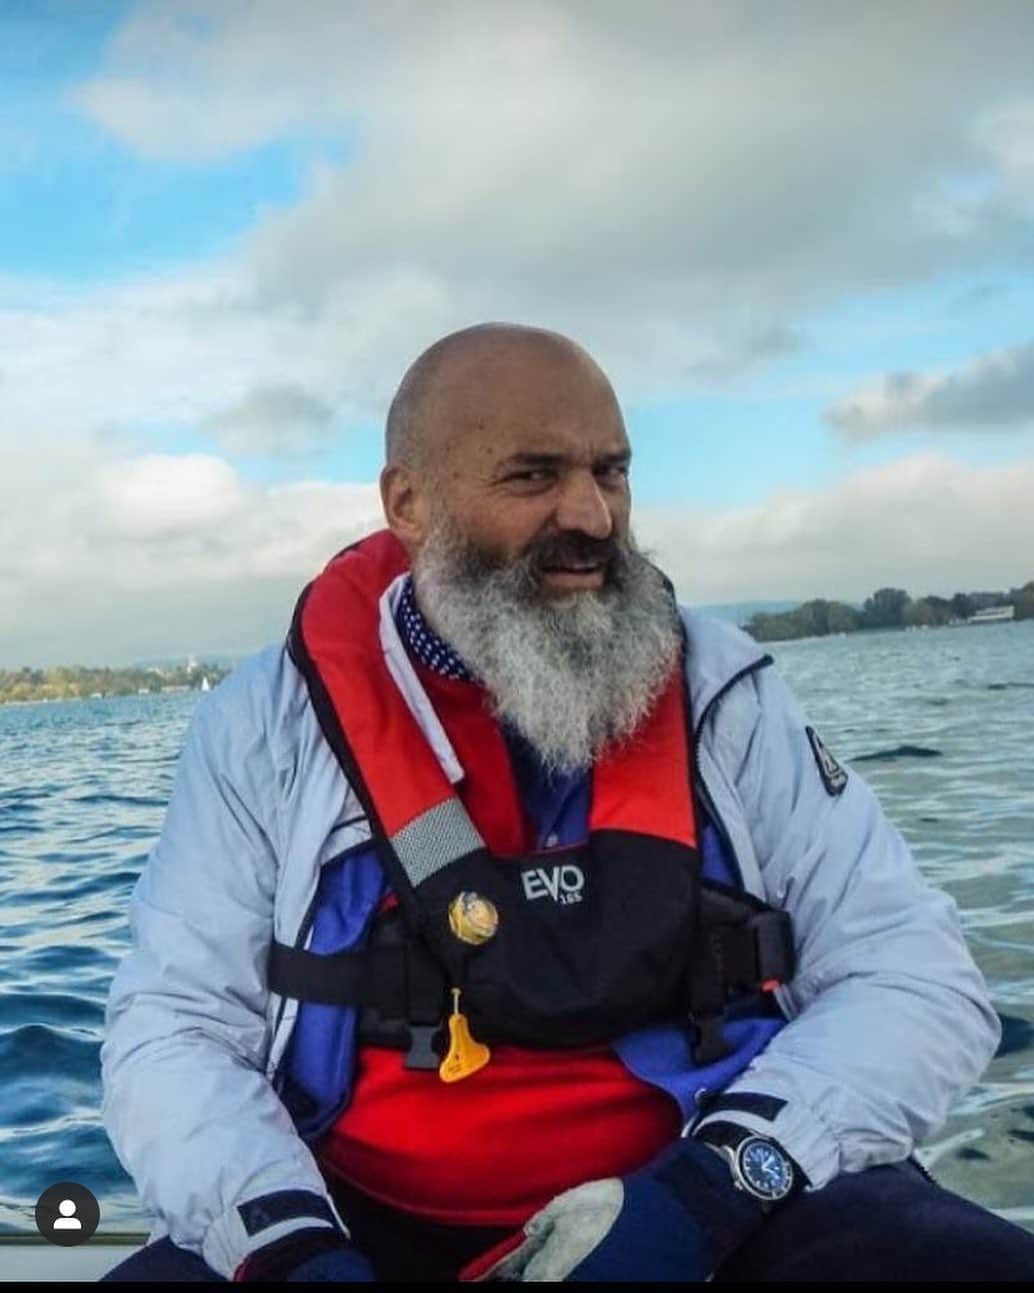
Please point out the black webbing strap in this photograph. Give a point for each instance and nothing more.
(375, 977)
(742, 946)
(707, 997)
(397, 986)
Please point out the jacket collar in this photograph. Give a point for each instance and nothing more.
(716, 653)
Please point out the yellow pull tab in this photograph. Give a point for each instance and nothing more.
(465, 1055)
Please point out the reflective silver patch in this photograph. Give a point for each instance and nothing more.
(434, 839)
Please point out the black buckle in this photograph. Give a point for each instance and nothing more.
(422, 1053)
(774, 948)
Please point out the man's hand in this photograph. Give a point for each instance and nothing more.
(676, 1219)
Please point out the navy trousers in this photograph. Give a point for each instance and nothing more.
(886, 1224)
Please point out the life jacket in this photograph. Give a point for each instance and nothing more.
(633, 934)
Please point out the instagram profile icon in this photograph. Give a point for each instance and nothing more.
(67, 1214)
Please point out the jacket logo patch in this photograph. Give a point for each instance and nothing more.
(834, 777)
(564, 884)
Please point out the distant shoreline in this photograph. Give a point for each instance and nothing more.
(892, 608)
(30, 686)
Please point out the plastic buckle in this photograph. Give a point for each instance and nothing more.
(774, 948)
(421, 1053)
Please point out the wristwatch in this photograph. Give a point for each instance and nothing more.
(759, 1166)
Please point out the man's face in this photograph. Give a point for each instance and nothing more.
(515, 516)
(540, 475)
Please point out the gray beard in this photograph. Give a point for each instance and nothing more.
(572, 674)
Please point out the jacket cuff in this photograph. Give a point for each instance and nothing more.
(260, 1222)
(273, 1263)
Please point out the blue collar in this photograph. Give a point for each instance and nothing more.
(423, 642)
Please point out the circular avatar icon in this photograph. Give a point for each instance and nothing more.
(67, 1214)
(473, 919)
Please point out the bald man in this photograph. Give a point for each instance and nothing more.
(510, 922)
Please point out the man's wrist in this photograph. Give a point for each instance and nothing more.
(702, 1184)
(758, 1165)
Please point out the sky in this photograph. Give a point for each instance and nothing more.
(799, 238)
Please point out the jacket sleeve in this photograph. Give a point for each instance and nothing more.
(186, 1101)
(891, 1019)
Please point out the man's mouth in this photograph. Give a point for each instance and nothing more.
(575, 574)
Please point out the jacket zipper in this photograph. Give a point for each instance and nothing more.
(755, 666)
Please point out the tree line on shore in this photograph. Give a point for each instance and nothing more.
(887, 608)
(75, 682)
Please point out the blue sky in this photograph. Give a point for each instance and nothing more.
(77, 203)
(225, 236)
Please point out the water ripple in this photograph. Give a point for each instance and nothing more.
(969, 817)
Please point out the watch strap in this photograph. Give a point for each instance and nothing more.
(730, 1136)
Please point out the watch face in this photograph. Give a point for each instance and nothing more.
(765, 1169)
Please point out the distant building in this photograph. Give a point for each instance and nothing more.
(992, 615)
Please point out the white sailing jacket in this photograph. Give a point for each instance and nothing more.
(890, 1019)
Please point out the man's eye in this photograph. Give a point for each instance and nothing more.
(613, 471)
(535, 474)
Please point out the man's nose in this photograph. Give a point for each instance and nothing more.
(583, 507)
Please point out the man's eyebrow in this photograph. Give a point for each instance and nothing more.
(620, 458)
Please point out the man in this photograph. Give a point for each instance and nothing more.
(511, 923)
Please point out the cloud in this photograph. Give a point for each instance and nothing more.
(926, 523)
(186, 84)
(1008, 134)
(159, 497)
(190, 348)
(994, 391)
(637, 176)
(747, 351)
(128, 558)
(273, 419)
(107, 559)
(185, 521)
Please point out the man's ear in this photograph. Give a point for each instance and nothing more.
(405, 507)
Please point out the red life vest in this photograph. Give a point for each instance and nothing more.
(618, 947)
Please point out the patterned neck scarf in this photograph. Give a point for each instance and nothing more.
(422, 640)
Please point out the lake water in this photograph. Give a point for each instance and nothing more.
(940, 722)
